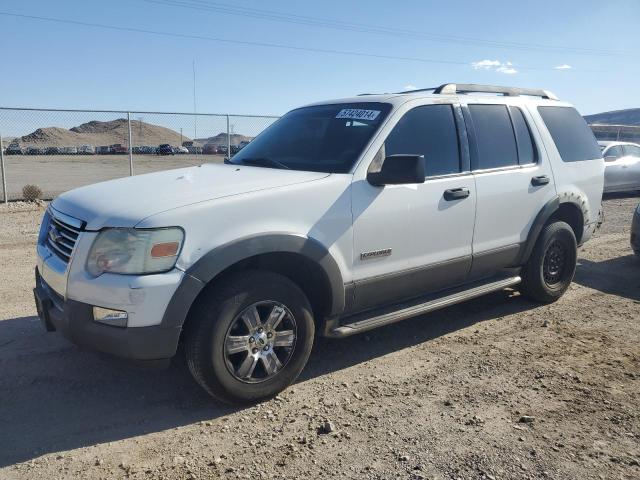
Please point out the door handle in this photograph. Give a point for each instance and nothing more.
(540, 180)
(456, 194)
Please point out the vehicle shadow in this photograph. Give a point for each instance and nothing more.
(615, 276)
(55, 396)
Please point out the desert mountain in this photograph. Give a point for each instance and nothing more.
(221, 139)
(103, 133)
(630, 116)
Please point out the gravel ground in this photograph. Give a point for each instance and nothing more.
(496, 388)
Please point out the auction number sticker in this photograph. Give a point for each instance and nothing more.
(358, 114)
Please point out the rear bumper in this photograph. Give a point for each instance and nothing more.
(74, 320)
(635, 231)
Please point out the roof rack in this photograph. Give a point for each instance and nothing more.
(454, 88)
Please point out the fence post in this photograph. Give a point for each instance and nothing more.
(4, 179)
(130, 147)
(228, 139)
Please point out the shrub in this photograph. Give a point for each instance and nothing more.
(31, 193)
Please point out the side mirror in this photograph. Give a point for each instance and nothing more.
(610, 159)
(399, 170)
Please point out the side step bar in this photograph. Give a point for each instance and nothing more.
(370, 320)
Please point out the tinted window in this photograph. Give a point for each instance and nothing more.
(430, 131)
(526, 150)
(615, 151)
(632, 150)
(571, 134)
(321, 138)
(494, 136)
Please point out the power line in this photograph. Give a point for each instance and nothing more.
(271, 15)
(240, 42)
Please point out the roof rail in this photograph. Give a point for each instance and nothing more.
(454, 88)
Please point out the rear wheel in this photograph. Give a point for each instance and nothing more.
(552, 264)
(251, 339)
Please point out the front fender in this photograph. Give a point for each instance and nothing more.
(220, 258)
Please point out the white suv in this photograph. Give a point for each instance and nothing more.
(341, 217)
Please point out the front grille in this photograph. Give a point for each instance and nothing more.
(61, 238)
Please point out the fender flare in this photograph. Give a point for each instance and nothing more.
(220, 258)
(541, 220)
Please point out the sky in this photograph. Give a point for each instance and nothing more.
(581, 50)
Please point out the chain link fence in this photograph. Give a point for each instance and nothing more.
(57, 150)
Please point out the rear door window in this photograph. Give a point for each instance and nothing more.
(429, 130)
(495, 139)
(614, 153)
(571, 134)
(526, 150)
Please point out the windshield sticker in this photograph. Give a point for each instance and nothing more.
(358, 114)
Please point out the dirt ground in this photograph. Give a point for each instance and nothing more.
(58, 173)
(498, 388)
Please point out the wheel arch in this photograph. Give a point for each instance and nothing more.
(302, 259)
(566, 208)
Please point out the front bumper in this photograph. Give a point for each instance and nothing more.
(635, 231)
(75, 321)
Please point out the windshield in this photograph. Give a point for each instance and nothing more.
(322, 138)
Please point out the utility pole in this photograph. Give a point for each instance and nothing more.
(195, 117)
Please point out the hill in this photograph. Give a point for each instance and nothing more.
(103, 133)
(630, 116)
(221, 139)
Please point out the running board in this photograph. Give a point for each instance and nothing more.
(363, 322)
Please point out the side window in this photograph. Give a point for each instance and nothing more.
(632, 150)
(431, 131)
(571, 134)
(614, 153)
(494, 136)
(526, 150)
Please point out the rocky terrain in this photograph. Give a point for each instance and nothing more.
(498, 388)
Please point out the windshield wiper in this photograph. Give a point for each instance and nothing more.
(265, 162)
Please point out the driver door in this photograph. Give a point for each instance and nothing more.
(411, 240)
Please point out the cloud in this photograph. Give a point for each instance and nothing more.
(486, 64)
(495, 65)
(564, 66)
(410, 87)
(507, 70)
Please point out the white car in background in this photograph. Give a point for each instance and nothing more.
(622, 166)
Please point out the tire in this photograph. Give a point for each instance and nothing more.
(552, 264)
(225, 320)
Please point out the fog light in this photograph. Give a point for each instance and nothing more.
(116, 318)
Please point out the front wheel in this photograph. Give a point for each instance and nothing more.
(251, 339)
(552, 265)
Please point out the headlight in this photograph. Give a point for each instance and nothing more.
(131, 251)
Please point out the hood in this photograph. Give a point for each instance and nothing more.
(126, 201)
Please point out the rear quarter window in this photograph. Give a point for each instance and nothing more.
(571, 134)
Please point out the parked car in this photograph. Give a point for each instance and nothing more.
(622, 166)
(181, 150)
(69, 150)
(221, 149)
(165, 149)
(210, 149)
(400, 205)
(13, 149)
(86, 149)
(34, 151)
(635, 231)
(103, 150)
(118, 148)
(53, 151)
(195, 149)
(136, 150)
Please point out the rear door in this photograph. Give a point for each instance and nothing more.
(513, 181)
(632, 154)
